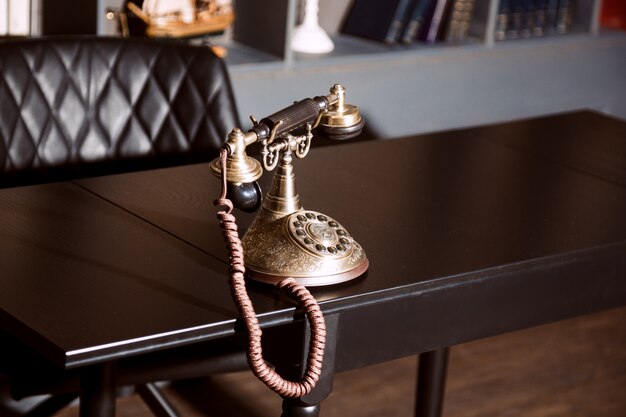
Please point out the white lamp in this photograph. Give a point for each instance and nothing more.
(309, 37)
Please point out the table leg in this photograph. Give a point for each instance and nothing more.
(289, 357)
(431, 383)
(296, 408)
(97, 391)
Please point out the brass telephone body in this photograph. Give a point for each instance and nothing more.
(285, 240)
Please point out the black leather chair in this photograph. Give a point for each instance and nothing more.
(88, 106)
(75, 107)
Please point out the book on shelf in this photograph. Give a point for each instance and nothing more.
(613, 14)
(379, 20)
(564, 16)
(540, 17)
(516, 13)
(419, 16)
(527, 20)
(502, 20)
(532, 18)
(409, 21)
(447, 21)
(436, 22)
(459, 20)
(552, 7)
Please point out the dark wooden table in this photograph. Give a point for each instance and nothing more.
(469, 233)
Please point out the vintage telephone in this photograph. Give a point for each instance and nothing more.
(285, 240)
(286, 244)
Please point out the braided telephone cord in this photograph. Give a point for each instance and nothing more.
(238, 289)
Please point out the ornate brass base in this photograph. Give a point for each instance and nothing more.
(309, 246)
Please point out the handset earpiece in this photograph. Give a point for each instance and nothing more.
(341, 120)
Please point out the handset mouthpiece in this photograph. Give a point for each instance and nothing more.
(240, 168)
(242, 171)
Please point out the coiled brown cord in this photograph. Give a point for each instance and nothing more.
(238, 289)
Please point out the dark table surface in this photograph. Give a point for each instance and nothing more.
(469, 233)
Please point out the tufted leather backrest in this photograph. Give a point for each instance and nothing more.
(117, 104)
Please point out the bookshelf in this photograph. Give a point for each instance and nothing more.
(255, 39)
(407, 89)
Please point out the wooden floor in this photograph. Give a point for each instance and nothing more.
(575, 368)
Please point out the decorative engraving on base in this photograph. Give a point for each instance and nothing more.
(273, 246)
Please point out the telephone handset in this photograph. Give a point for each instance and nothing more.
(286, 244)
